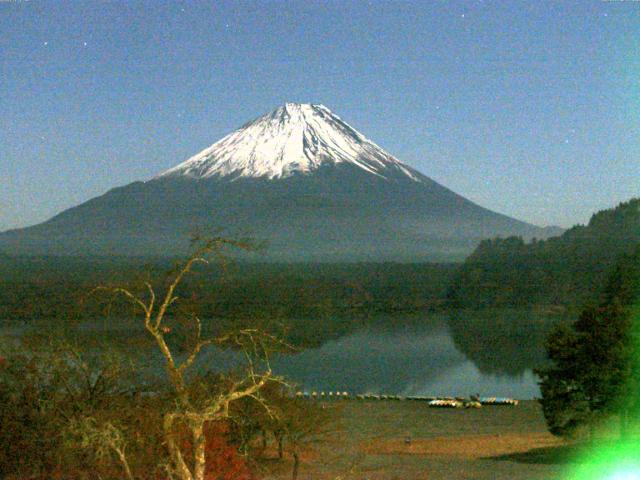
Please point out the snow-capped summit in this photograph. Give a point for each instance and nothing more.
(294, 138)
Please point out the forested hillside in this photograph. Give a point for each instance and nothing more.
(58, 287)
(562, 271)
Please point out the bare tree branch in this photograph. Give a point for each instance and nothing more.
(193, 414)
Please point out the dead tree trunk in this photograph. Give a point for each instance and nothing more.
(296, 465)
(179, 466)
(280, 438)
(199, 443)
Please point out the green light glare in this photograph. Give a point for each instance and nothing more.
(612, 461)
(616, 454)
(625, 475)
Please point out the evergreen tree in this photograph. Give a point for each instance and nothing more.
(594, 369)
(565, 403)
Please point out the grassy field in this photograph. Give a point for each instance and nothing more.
(368, 441)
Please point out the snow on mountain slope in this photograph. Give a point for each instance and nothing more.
(293, 138)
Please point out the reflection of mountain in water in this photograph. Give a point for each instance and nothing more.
(491, 353)
(502, 341)
(377, 359)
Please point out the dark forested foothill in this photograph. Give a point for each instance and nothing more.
(300, 298)
(562, 271)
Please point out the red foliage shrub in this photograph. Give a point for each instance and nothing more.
(222, 457)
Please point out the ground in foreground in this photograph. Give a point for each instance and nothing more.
(369, 441)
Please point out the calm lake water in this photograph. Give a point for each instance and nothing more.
(416, 359)
(490, 353)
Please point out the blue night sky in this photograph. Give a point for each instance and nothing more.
(529, 108)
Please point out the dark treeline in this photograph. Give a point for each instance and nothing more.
(564, 271)
(35, 288)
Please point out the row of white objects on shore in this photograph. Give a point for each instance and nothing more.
(443, 402)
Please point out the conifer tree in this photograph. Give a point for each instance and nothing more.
(594, 367)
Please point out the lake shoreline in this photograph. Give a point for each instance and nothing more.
(408, 440)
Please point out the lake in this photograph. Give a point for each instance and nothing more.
(490, 353)
(432, 357)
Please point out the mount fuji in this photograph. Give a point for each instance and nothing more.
(298, 177)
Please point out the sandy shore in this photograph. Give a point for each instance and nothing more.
(369, 442)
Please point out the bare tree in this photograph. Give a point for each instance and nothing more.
(294, 422)
(303, 423)
(104, 440)
(50, 388)
(191, 413)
